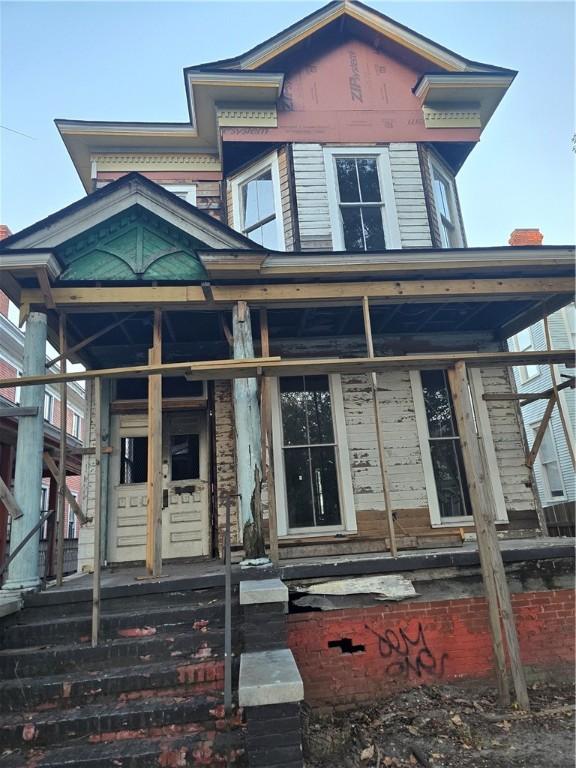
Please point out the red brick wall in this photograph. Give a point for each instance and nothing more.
(417, 643)
(4, 302)
(8, 371)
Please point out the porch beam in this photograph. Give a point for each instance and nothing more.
(208, 370)
(378, 426)
(484, 512)
(193, 296)
(154, 490)
(88, 340)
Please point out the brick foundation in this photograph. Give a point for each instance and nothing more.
(357, 654)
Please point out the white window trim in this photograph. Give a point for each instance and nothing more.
(345, 492)
(390, 216)
(437, 167)
(485, 433)
(178, 189)
(269, 161)
(549, 499)
(524, 378)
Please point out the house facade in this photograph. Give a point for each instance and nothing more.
(306, 215)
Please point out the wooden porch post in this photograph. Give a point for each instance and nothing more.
(62, 456)
(97, 394)
(483, 510)
(154, 490)
(248, 438)
(266, 415)
(378, 426)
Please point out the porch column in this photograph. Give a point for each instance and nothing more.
(23, 571)
(248, 438)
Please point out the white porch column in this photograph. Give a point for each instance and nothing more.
(248, 438)
(23, 571)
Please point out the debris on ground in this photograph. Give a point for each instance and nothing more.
(446, 727)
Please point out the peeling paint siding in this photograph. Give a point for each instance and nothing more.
(410, 196)
(208, 198)
(312, 197)
(225, 459)
(287, 218)
(508, 443)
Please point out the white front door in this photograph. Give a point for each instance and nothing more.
(186, 497)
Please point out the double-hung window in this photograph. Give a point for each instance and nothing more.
(76, 424)
(49, 401)
(552, 474)
(257, 211)
(313, 483)
(361, 199)
(524, 342)
(446, 207)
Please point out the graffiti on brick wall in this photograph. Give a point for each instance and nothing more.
(407, 654)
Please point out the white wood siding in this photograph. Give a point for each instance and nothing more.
(409, 196)
(312, 197)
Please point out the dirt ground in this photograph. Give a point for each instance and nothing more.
(448, 727)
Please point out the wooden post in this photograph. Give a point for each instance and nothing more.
(248, 438)
(154, 503)
(483, 510)
(268, 467)
(563, 419)
(97, 394)
(541, 431)
(62, 457)
(378, 425)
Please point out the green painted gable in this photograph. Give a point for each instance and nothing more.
(132, 245)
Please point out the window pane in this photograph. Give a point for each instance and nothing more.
(450, 479)
(298, 487)
(438, 404)
(266, 235)
(133, 460)
(441, 194)
(554, 478)
(319, 410)
(293, 407)
(325, 485)
(368, 175)
(258, 198)
(347, 180)
(524, 340)
(373, 229)
(185, 457)
(352, 225)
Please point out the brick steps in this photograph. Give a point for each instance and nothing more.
(129, 623)
(105, 721)
(70, 657)
(181, 676)
(207, 749)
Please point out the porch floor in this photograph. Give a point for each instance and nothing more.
(127, 581)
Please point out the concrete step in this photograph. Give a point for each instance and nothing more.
(22, 633)
(203, 642)
(109, 721)
(208, 749)
(180, 676)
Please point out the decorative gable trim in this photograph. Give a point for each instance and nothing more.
(157, 161)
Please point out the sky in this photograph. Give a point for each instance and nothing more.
(124, 61)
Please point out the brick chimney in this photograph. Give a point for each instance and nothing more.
(4, 231)
(526, 237)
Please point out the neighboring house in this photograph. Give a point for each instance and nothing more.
(316, 169)
(11, 364)
(553, 468)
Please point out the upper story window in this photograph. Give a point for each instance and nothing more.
(524, 342)
(257, 210)
(185, 191)
(49, 401)
(76, 424)
(13, 314)
(361, 199)
(446, 207)
(554, 486)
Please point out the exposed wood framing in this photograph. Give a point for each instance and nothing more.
(53, 469)
(562, 414)
(484, 512)
(81, 344)
(154, 502)
(45, 287)
(275, 366)
(541, 431)
(266, 425)
(7, 498)
(97, 511)
(378, 426)
(192, 296)
(62, 454)
(526, 398)
(226, 330)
